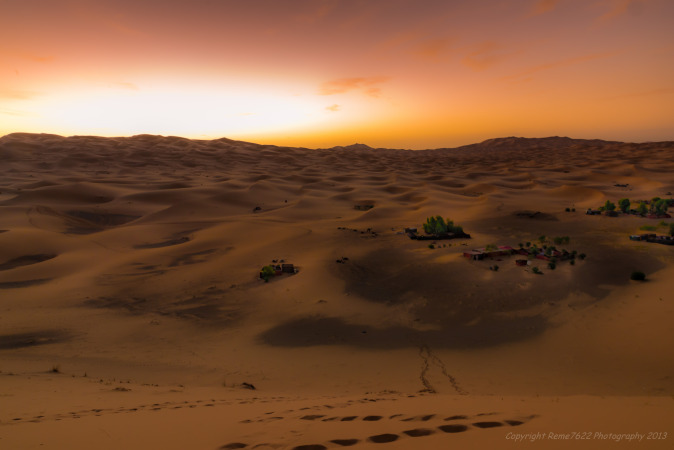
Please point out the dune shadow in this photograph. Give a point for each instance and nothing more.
(23, 284)
(22, 340)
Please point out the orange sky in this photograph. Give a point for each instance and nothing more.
(318, 73)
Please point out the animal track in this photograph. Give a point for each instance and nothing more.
(383, 438)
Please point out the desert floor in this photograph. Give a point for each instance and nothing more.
(132, 312)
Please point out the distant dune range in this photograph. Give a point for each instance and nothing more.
(136, 261)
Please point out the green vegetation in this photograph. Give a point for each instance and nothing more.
(552, 265)
(491, 248)
(608, 206)
(638, 276)
(431, 246)
(562, 240)
(624, 204)
(642, 209)
(536, 270)
(582, 256)
(648, 228)
(438, 225)
(659, 206)
(541, 238)
(267, 272)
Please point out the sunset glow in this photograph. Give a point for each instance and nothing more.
(319, 73)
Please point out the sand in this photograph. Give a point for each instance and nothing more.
(133, 316)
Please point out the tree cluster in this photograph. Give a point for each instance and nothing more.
(438, 225)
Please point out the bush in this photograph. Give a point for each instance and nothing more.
(552, 265)
(572, 262)
(582, 256)
(648, 228)
(494, 268)
(568, 210)
(267, 272)
(624, 204)
(536, 271)
(431, 246)
(638, 276)
(438, 225)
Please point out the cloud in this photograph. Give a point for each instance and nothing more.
(432, 49)
(367, 85)
(125, 85)
(317, 13)
(619, 8)
(556, 64)
(483, 56)
(652, 92)
(542, 7)
(13, 112)
(38, 58)
(333, 108)
(18, 95)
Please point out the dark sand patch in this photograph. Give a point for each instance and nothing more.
(345, 442)
(88, 222)
(25, 260)
(487, 424)
(22, 340)
(419, 432)
(453, 428)
(383, 438)
(23, 284)
(168, 243)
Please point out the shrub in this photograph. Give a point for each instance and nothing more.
(494, 268)
(541, 238)
(582, 256)
(648, 228)
(552, 265)
(642, 209)
(267, 272)
(431, 246)
(609, 206)
(572, 262)
(536, 271)
(438, 225)
(568, 210)
(624, 204)
(638, 276)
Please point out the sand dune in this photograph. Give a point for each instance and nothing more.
(133, 314)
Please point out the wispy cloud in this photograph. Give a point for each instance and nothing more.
(432, 49)
(16, 113)
(18, 95)
(542, 7)
(649, 93)
(333, 108)
(556, 64)
(483, 56)
(319, 10)
(618, 8)
(125, 85)
(368, 85)
(38, 58)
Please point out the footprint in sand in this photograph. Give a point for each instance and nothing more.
(448, 428)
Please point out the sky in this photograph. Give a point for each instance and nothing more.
(320, 73)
